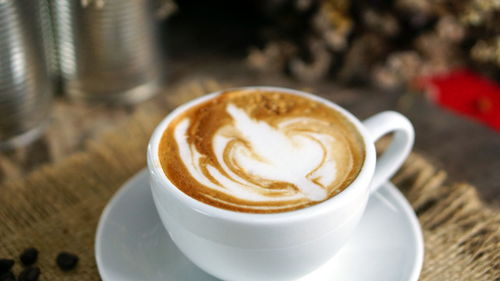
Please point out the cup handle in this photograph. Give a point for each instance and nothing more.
(393, 157)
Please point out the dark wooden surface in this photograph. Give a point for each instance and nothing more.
(467, 150)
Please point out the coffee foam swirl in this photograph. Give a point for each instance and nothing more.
(245, 163)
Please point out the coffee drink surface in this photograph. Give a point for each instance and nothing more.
(261, 151)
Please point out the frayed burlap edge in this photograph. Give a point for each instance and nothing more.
(57, 207)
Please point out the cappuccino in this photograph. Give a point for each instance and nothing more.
(261, 151)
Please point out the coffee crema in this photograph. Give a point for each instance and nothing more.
(261, 151)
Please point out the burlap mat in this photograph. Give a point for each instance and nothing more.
(57, 206)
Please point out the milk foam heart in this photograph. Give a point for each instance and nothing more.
(261, 152)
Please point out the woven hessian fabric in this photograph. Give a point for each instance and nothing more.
(57, 207)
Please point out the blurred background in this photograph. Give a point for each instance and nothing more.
(71, 70)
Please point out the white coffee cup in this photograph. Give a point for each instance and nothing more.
(278, 246)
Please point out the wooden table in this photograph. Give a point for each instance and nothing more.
(467, 150)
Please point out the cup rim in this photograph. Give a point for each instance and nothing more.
(366, 171)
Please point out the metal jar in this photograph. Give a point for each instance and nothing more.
(107, 49)
(25, 73)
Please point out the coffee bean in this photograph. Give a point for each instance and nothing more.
(7, 276)
(66, 261)
(30, 274)
(29, 256)
(6, 265)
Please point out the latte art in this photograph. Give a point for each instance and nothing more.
(261, 152)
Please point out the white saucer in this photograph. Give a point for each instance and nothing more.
(131, 243)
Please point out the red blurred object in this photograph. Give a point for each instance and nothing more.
(467, 93)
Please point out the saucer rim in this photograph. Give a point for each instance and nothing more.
(415, 228)
(124, 188)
